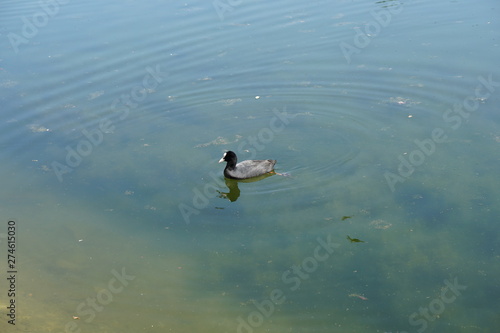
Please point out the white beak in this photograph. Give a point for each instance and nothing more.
(222, 159)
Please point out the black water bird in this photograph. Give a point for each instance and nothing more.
(246, 169)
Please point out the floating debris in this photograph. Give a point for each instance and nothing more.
(402, 101)
(354, 240)
(343, 218)
(380, 224)
(35, 128)
(219, 141)
(231, 101)
(359, 296)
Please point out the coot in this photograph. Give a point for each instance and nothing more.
(245, 169)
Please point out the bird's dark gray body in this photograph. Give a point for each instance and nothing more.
(246, 169)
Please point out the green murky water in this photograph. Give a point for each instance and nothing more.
(383, 115)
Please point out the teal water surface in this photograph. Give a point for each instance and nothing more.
(383, 116)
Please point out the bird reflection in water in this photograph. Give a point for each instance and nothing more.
(234, 190)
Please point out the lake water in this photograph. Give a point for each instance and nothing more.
(383, 115)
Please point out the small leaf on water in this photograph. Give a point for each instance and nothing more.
(346, 217)
(354, 240)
